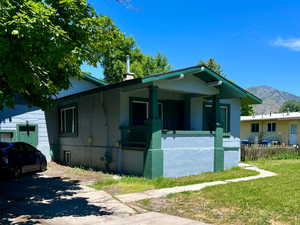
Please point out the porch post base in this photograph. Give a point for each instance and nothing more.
(154, 163)
(219, 150)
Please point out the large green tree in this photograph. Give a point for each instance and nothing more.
(44, 42)
(246, 109)
(141, 65)
(290, 106)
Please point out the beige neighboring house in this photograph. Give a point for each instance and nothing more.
(282, 127)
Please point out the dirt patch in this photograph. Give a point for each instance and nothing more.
(84, 176)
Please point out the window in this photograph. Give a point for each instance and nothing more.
(140, 112)
(208, 117)
(271, 127)
(6, 136)
(68, 120)
(254, 127)
(67, 157)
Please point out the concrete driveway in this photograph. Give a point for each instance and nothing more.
(58, 200)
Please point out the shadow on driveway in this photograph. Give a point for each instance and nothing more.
(26, 200)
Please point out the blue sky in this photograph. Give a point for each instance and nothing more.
(256, 42)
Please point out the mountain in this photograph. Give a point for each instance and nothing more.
(272, 98)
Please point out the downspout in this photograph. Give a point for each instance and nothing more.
(107, 155)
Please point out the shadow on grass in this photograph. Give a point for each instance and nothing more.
(33, 197)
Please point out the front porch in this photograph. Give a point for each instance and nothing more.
(178, 135)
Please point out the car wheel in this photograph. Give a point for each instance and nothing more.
(17, 172)
(43, 166)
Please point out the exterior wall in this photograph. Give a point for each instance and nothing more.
(10, 118)
(232, 152)
(133, 162)
(186, 155)
(96, 144)
(282, 130)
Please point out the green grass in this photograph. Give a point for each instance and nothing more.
(139, 184)
(274, 200)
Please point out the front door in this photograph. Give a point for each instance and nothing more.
(28, 133)
(293, 133)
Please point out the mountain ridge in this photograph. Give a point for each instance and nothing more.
(272, 98)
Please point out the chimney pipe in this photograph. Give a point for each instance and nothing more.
(128, 75)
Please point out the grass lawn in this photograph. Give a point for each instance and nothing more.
(139, 184)
(274, 200)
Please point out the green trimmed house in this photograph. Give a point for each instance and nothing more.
(173, 124)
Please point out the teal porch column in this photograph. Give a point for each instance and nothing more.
(218, 146)
(153, 166)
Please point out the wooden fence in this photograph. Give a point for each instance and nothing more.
(255, 152)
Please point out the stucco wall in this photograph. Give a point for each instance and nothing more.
(96, 144)
(186, 155)
(232, 155)
(9, 118)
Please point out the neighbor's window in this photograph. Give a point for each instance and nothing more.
(254, 127)
(68, 120)
(271, 127)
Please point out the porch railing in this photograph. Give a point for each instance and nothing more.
(134, 136)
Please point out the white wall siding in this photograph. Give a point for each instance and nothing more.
(9, 118)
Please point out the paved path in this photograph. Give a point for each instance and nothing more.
(153, 218)
(195, 187)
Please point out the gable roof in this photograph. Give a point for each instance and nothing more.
(94, 80)
(228, 89)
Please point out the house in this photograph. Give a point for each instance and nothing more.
(172, 124)
(279, 127)
(29, 124)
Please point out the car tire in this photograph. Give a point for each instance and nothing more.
(43, 166)
(17, 172)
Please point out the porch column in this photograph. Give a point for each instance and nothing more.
(153, 166)
(218, 146)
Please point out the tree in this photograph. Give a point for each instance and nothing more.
(213, 65)
(44, 42)
(290, 106)
(141, 65)
(246, 109)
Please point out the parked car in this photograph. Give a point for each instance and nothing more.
(19, 158)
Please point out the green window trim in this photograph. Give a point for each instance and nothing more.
(36, 131)
(227, 129)
(62, 118)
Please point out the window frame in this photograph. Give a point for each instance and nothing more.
(143, 101)
(227, 128)
(62, 126)
(272, 127)
(255, 130)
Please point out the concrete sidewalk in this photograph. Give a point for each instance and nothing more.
(195, 187)
(153, 218)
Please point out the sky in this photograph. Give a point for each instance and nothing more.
(256, 42)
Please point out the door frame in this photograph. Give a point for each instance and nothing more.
(289, 132)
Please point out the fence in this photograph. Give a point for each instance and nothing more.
(255, 152)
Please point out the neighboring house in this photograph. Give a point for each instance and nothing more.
(28, 124)
(279, 127)
(173, 124)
